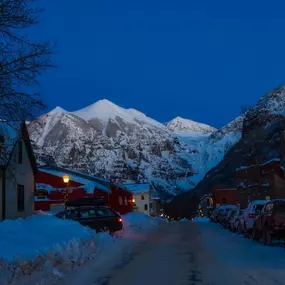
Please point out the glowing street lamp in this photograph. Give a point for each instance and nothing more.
(65, 180)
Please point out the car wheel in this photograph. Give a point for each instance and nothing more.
(239, 229)
(255, 234)
(105, 229)
(266, 236)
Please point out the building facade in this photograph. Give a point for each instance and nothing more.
(224, 196)
(263, 181)
(141, 196)
(17, 179)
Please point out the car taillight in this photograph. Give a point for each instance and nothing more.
(120, 220)
(252, 216)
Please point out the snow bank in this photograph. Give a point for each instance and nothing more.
(184, 220)
(43, 248)
(201, 220)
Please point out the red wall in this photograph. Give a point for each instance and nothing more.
(58, 196)
(229, 195)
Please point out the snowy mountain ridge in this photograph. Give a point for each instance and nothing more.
(185, 126)
(120, 144)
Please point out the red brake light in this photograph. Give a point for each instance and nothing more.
(120, 220)
(252, 216)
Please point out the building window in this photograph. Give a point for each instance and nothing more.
(20, 152)
(126, 201)
(224, 201)
(20, 198)
(145, 207)
(120, 200)
(142, 197)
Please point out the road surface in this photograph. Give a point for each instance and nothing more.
(189, 254)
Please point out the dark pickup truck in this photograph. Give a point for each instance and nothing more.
(270, 222)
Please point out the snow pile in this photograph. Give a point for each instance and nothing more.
(44, 248)
(184, 220)
(201, 220)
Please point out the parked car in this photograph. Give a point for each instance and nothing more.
(270, 224)
(214, 216)
(250, 214)
(234, 223)
(223, 211)
(99, 218)
(229, 217)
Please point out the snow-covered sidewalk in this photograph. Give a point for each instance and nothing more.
(44, 248)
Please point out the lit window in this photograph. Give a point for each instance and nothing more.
(142, 197)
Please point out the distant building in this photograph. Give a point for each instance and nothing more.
(262, 181)
(17, 173)
(141, 195)
(223, 195)
(155, 206)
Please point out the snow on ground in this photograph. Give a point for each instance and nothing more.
(201, 220)
(45, 248)
(264, 263)
(184, 220)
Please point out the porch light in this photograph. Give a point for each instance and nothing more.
(134, 200)
(65, 179)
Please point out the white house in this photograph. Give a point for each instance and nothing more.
(17, 173)
(141, 194)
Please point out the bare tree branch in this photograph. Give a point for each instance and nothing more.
(22, 61)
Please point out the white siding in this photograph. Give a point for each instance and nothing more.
(19, 174)
(140, 204)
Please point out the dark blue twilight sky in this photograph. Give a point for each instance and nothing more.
(197, 59)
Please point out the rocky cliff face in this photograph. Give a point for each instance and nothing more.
(262, 139)
(123, 144)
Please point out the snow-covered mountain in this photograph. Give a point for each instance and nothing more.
(189, 127)
(124, 144)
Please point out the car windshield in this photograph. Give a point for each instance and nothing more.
(258, 208)
(280, 208)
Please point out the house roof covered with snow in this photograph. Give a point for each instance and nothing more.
(262, 164)
(10, 134)
(89, 182)
(137, 188)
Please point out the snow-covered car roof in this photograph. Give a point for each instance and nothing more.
(227, 207)
(259, 202)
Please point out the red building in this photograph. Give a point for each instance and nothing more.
(224, 196)
(51, 189)
(263, 181)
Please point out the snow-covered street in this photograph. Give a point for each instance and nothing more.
(186, 253)
(148, 251)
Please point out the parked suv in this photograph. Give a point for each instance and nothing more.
(270, 223)
(99, 218)
(250, 214)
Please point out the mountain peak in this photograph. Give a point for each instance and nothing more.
(57, 110)
(105, 110)
(186, 126)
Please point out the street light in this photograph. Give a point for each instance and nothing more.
(65, 180)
